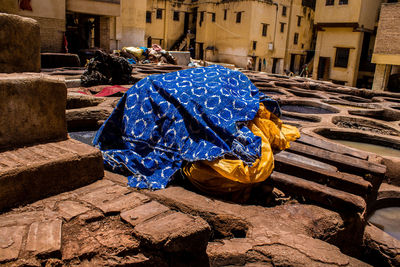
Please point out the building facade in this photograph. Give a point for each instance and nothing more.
(345, 41)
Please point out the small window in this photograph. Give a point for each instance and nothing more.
(148, 16)
(213, 17)
(176, 15)
(201, 18)
(298, 21)
(342, 57)
(343, 2)
(282, 27)
(302, 46)
(225, 13)
(159, 13)
(330, 2)
(296, 38)
(238, 17)
(254, 45)
(264, 29)
(283, 11)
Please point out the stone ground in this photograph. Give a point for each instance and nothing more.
(109, 224)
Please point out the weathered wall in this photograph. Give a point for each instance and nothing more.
(338, 13)
(387, 48)
(32, 108)
(51, 17)
(131, 24)
(328, 41)
(19, 44)
(94, 7)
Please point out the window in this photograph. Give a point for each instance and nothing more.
(296, 38)
(342, 57)
(264, 29)
(148, 16)
(299, 21)
(330, 2)
(282, 27)
(159, 14)
(176, 15)
(284, 11)
(238, 17)
(213, 17)
(343, 2)
(254, 45)
(225, 13)
(201, 18)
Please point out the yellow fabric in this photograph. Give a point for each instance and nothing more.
(136, 51)
(232, 175)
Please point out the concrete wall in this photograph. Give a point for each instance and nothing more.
(131, 25)
(338, 13)
(51, 17)
(328, 41)
(94, 7)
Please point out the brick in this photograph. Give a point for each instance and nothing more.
(124, 202)
(144, 212)
(56, 167)
(70, 209)
(101, 195)
(175, 232)
(10, 242)
(44, 237)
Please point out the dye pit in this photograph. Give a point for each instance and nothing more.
(387, 219)
(306, 109)
(380, 150)
(83, 136)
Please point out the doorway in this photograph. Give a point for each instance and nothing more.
(323, 68)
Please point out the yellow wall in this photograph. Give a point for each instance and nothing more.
(338, 13)
(166, 28)
(94, 7)
(328, 41)
(131, 25)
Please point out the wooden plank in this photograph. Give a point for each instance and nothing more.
(320, 143)
(321, 194)
(326, 176)
(343, 162)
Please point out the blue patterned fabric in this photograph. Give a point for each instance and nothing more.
(189, 115)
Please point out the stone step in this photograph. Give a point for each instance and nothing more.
(288, 163)
(332, 198)
(343, 162)
(31, 173)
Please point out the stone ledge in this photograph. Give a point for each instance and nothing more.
(32, 173)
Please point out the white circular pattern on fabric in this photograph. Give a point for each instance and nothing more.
(131, 96)
(199, 91)
(213, 84)
(233, 82)
(140, 126)
(225, 92)
(212, 74)
(166, 172)
(243, 78)
(198, 71)
(146, 108)
(170, 78)
(184, 84)
(148, 163)
(199, 79)
(142, 83)
(184, 98)
(226, 114)
(169, 137)
(239, 104)
(171, 89)
(213, 102)
(183, 74)
(214, 119)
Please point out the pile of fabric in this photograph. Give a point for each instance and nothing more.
(106, 69)
(144, 55)
(212, 123)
